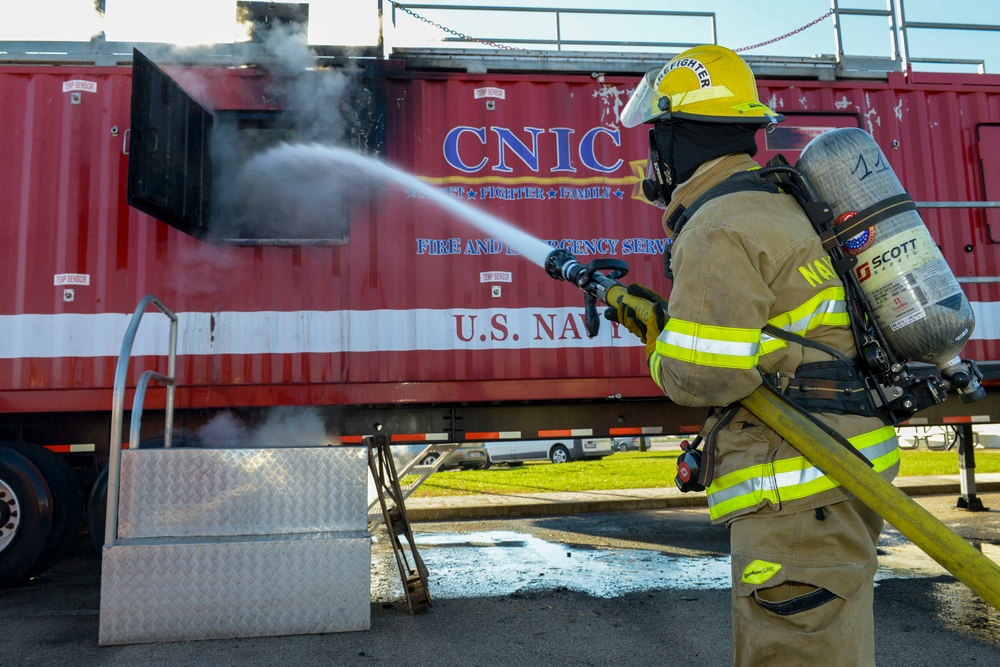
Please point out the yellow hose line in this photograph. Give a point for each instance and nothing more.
(921, 527)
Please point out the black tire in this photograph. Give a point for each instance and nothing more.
(97, 508)
(67, 504)
(26, 515)
(559, 454)
(429, 459)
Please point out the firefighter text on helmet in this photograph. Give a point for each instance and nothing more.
(707, 83)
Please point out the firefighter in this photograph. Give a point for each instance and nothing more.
(754, 299)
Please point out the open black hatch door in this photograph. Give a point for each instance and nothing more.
(170, 169)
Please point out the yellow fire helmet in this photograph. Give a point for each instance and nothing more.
(707, 83)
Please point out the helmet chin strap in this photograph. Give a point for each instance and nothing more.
(660, 188)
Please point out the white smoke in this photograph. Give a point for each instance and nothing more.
(260, 200)
(204, 269)
(295, 191)
(285, 426)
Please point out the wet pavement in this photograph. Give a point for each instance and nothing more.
(636, 587)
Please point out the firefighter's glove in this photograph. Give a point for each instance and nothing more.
(643, 312)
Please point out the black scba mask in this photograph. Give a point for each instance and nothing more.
(678, 147)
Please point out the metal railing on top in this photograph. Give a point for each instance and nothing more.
(906, 26)
(557, 14)
(899, 57)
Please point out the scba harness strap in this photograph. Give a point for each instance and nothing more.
(836, 386)
(757, 180)
(841, 383)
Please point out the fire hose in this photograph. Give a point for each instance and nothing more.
(960, 558)
(933, 537)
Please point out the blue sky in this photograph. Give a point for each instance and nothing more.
(739, 23)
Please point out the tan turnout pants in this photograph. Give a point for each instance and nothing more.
(803, 587)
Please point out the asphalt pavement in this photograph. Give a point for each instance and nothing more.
(923, 616)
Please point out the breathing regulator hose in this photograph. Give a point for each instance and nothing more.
(934, 538)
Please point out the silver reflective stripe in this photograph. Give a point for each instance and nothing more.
(709, 345)
(760, 484)
(754, 485)
(830, 307)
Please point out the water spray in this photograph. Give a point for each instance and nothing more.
(336, 164)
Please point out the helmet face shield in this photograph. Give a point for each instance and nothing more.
(644, 105)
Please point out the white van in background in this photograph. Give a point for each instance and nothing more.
(558, 451)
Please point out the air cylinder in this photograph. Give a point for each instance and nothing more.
(917, 301)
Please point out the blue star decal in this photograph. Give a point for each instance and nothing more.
(618, 193)
(411, 194)
(471, 193)
(552, 193)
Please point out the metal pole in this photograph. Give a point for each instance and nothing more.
(838, 37)
(967, 470)
(893, 31)
(380, 44)
(901, 11)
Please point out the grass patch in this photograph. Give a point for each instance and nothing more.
(918, 462)
(638, 470)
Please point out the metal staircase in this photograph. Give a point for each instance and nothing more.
(412, 570)
(229, 543)
(416, 467)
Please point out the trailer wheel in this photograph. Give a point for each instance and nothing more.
(559, 454)
(97, 508)
(26, 515)
(67, 503)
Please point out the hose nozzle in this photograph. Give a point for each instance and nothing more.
(562, 265)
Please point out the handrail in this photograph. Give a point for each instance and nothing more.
(888, 13)
(905, 27)
(558, 13)
(140, 395)
(103, 53)
(118, 406)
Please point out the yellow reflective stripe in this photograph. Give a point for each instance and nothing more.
(827, 307)
(707, 345)
(878, 436)
(769, 344)
(654, 368)
(738, 348)
(793, 478)
(872, 445)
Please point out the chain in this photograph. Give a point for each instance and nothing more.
(467, 38)
(778, 39)
(450, 31)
